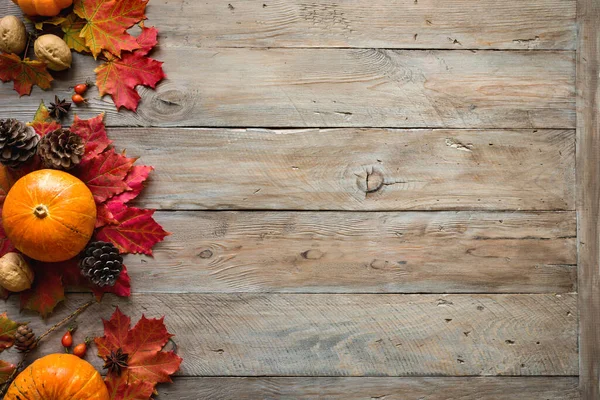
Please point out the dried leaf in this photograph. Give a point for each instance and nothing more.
(72, 26)
(118, 77)
(46, 293)
(107, 22)
(143, 344)
(104, 216)
(119, 389)
(136, 232)
(25, 73)
(43, 123)
(104, 174)
(8, 328)
(6, 371)
(93, 133)
(135, 181)
(122, 287)
(39, 22)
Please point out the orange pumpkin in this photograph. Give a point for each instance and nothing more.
(58, 377)
(45, 8)
(49, 215)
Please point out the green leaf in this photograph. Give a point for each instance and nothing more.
(72, 26)
(8, 328)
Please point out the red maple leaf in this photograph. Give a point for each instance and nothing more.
(93, 133)
(135, 180)
(119, 76)
(121, 288)
(145, 359)
(25, 73)
(104, 174)
(8, 328)
(47, 290)
(137, 232)
(104, 216)
(107, 22)
(119, 389)
(42, 122)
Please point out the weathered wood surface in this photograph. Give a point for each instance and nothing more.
(333, 252)
(588, 167)
(457, 24)
(355, 169)
(441, 24)
(338, 88)
(353, 335)
(372, 388)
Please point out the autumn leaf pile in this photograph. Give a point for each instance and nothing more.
(99, 28)
(142, 361)
(114, 181)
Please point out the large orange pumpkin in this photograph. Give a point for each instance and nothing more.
(49, 215)
(46, 8)
(58, 377)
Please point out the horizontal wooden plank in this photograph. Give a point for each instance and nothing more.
(456, 24)
(372, 388)
(312, 252)
(355, 169)
(338, 88)
(352, 335)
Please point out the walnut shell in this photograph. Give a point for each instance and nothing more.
(15, 274)
(13, 35)
(53, 51)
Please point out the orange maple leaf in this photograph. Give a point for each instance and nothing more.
(25, 73)
(107, 22)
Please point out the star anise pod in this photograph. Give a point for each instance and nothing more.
(116, 362)
(60, 108)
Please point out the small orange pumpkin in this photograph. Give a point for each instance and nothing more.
(58, 377)
(45, 8)
(49, 215)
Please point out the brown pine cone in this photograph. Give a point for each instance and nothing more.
(24, 339)
(18, 142)
(61, 149)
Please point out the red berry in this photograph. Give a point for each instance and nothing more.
(81, 88)
(80, 350)
(67, 339)
(78, 99)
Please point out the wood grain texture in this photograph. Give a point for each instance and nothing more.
(456, 24)
(372, 388)
(352, 335)
(355, 169)
(338, 88)
(332, 252)
(588, 169)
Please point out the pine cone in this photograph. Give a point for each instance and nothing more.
(18, 142)
(24, 339)
(61, 149)
(101, 263)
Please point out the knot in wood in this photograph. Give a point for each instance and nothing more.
(205, 254)
(370, 180)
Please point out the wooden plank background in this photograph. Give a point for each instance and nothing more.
(368, 199)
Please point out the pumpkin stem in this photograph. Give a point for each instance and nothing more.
(41, 211)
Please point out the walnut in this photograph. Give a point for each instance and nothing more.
(53, 51)
(13, 35)
(15, 274)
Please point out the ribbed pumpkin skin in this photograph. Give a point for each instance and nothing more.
(68, 215)
(58, 377)
(46, 8)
